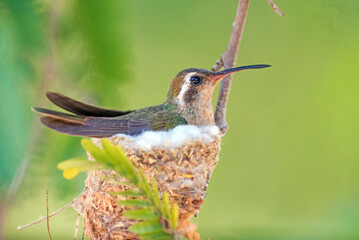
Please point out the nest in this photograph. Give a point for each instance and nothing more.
(183, 172)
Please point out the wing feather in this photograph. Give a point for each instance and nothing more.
(97, 126)
(91, 126)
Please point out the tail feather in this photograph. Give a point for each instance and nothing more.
(81, 108)
(91, 126)
(74, 119)
(88, 121)
(73, 129)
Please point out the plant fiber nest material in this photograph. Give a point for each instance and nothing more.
(183, 172)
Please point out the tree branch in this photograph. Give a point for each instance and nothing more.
(275, 8)
(229, 60)
(48, 216)
(77, 225)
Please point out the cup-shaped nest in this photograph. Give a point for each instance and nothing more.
(181, 161)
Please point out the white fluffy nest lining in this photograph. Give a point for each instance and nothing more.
(173, 138)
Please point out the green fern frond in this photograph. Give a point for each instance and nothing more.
(135, 202)
(128, 193)
(157, 219)
(143, 213)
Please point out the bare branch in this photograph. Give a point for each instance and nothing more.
(83, 232)
(229, 59)
(218, 65)
(275, 8)
(47, 214)
(77, 225)
(47, 217)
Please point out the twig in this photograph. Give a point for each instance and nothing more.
(83, 232)
(229, 59)
(218, 65)
(275, 8)
(47, 214)
(77, 225)
(47, 217)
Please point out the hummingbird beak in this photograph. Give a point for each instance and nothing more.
(220, 75)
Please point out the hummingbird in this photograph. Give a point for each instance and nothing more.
(189, 102)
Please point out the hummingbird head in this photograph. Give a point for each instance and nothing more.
(192, 90)
(194, 86)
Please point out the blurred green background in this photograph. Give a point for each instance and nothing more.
(289, 166)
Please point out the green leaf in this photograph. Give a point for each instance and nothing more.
(174, 217)
(128, 193)
(145, 186)
(143, 214)
(110, 150)
(134, 202)
(80, 163)
(156, 196)
(149, 226)
(166, 205)
(72, 167)
(120, 161)
(158, 235)
(95, 152)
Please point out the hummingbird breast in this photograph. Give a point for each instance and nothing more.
(199, 117)
(198, 109)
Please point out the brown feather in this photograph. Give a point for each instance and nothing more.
(78, 120)
(81, 108)
(91, 126)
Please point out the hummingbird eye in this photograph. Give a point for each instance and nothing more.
(196, 80)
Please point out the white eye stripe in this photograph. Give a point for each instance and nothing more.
(184, 88)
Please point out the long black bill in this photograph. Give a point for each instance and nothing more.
(222, 74)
